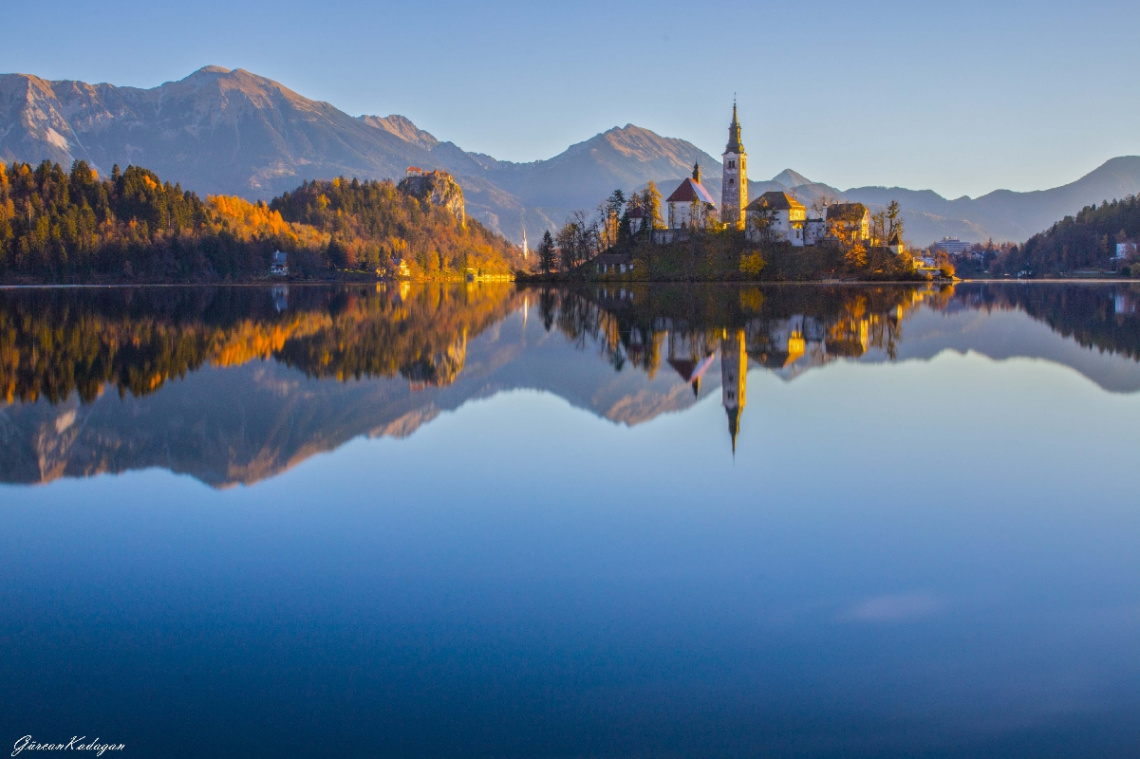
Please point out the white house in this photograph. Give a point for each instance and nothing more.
(1125, 250)
(279, 267)
(636, 218)
(691, 205)
(778, 217)
(815, 231)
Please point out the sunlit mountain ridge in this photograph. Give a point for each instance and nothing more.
(219, 131)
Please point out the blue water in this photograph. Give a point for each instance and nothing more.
(930, 555)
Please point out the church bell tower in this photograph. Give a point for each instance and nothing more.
(734, 186)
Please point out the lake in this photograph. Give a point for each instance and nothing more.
(482, 521)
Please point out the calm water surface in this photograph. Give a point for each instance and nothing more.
(474, 521)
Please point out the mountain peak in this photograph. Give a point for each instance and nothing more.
(790, 178)
(211, 70)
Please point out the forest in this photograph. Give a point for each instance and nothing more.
(73, 226)
(1085, 241)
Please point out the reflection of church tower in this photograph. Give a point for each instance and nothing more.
(734, 182)
(733, 379)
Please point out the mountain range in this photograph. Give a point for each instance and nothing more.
(232, 132)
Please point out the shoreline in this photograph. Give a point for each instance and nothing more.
(537, 282)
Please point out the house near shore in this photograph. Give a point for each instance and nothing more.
(279, 266)
(613, 263)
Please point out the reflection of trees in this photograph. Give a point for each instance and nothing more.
(1105, 317)
(56, 342)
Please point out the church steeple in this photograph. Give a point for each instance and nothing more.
(734, 143)
(734, 183)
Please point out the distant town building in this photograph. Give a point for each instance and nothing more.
(734, 182)
(849, 221)
(279, 266)
(1125, 250)
(951, 245)
(691, 205)
(777, 217)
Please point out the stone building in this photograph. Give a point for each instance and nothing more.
(776, 217)
(734, 182)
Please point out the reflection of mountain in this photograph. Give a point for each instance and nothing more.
(236, 385)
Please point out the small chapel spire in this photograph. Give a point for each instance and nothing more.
(696, 172)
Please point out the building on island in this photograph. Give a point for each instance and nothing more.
(279, 266)
(776, 217)
(636, 217)
(815, 231)
(848, 221)
(896, 245)
(734, 182)
(691, 206)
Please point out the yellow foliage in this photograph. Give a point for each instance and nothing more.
(752, 264)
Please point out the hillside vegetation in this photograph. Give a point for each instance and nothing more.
(1085, 241)
(72, 226)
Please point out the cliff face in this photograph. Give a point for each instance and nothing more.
(437, 188)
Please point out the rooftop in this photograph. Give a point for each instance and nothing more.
(691, 191)
(846, 212)
(775, 201)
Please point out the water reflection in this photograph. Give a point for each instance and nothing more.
(234, 385)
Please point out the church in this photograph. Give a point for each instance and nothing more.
(773, 217)
(692, 206)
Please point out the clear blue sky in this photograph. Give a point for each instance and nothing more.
(963, 97)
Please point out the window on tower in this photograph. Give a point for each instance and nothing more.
(732, 164)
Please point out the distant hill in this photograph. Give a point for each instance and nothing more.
(233, 132)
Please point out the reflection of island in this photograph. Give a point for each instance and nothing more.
(233, 385)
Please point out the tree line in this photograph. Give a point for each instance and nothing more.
(1085, 241)
(59, 225)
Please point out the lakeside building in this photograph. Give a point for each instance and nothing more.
(776, 217)
(279, 267)
(691, 205)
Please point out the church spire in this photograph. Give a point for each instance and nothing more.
(734, 143)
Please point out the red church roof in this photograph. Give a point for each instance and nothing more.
(689, 191)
